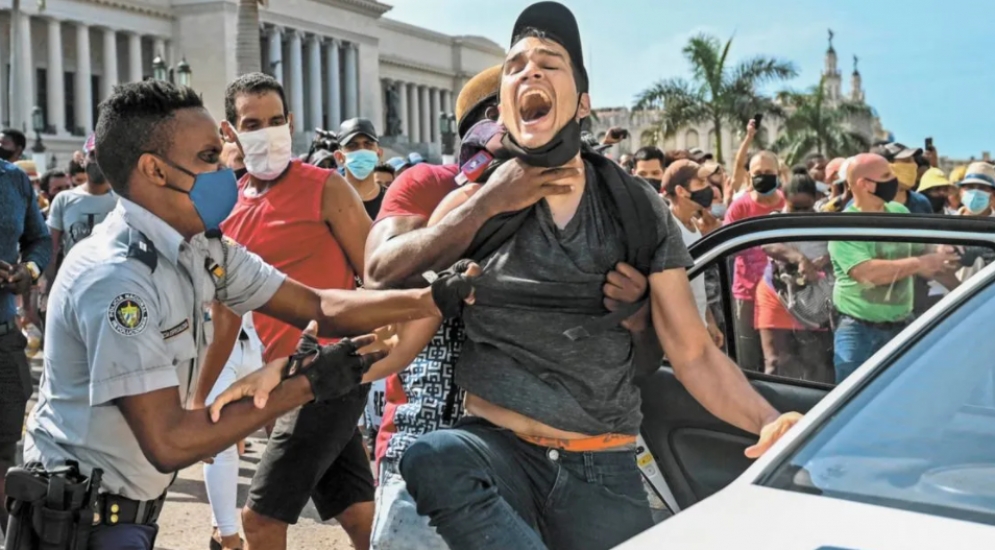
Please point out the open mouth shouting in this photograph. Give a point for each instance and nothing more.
(534, 106)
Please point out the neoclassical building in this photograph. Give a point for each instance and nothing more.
(641, 123)
(337, 59)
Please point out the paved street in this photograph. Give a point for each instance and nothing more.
(185, 523)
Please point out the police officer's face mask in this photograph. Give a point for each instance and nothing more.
(213, 194)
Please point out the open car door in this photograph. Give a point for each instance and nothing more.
(686, 453)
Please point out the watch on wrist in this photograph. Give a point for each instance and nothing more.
(33, 270)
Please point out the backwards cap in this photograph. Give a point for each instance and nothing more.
(559, 24)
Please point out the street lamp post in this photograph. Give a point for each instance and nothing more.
(447, 127)
(179, 75)
(38, 149)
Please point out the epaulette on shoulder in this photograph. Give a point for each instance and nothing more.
(141, 248)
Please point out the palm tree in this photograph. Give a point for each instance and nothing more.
(247, 48)
(716, 93)
(814, 124)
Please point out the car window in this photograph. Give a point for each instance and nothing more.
(921, 435)
(816, 310)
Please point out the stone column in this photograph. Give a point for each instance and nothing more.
(426, 114)
(351, 81)
(334, 84)
(402, 94)
(414, 116)
(134, 57)
(24, 100)
(275, 39)
(314, 82)
(55, 77)
(434, 98)
(296, 76)
(447, 102)
(84, 84)
(159, 48)
(110, 64)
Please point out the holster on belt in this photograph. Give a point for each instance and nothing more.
(50, 510)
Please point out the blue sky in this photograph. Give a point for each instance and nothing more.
(928, 66)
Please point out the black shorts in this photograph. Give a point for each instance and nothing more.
(315, 452)
(15, 385)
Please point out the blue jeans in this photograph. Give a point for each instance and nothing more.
(856, 341)
(483, 488)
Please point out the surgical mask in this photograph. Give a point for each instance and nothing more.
(822, 187)
(719, 210)
(975, 200)
(703, 197)
(906, 173)
(560, 150)
(656, 183)
(886, 190)
(361, 163)
(267, 152)
(6, 154)
(765, 184)
(213, 194)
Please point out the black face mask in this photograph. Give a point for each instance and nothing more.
(560, 150)
(241, 172)
(765, 184)
(94, 175)
(938, 202)
(657, 184)
(6, 154)
(886, 190)
(703, 197)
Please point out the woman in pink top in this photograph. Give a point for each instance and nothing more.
(763, 198)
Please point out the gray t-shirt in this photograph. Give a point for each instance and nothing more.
(518, 357)
(75, 212)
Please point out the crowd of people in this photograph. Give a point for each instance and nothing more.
(517, 296)
(817, 310)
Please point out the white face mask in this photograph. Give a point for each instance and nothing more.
(267, 152)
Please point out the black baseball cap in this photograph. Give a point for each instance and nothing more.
(559, 24)
(354, 127)
(896, 151)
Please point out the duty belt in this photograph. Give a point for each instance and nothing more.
(116, 510)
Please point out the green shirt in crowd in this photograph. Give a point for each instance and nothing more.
(872, 303)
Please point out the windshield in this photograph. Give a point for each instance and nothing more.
(921, 435)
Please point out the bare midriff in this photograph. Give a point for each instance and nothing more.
(541, 434)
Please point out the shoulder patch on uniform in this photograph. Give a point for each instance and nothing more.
(128, 315)
(178, 329)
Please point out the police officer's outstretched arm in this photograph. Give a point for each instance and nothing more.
(118, 316)
(251, 284)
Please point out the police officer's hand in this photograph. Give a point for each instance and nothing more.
(453, 287)
(333, 370)
(626, 285)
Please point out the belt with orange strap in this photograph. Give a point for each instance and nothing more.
(598, 443)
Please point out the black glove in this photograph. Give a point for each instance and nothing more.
(336, 370)
(451, 287)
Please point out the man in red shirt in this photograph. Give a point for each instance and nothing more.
(311, 224)
(763, 198)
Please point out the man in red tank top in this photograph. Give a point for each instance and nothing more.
(311, 224)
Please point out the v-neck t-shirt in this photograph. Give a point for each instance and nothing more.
(518, 357)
